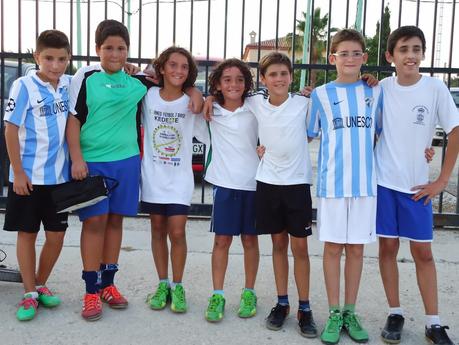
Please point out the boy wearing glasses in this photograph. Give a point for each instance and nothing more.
(345, 112)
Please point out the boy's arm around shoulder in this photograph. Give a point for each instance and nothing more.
(430, 190)
(196, 100)
(21, 184)
(72, 134)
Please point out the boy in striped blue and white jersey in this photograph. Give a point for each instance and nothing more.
(40, 113)
(35, 121)
(346, 112)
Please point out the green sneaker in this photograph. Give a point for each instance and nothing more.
(159, 299)
(353, 326)
(27, 308)
(178, 304)
(248, 305)
(47, 299)
(216, 308)
(331, 332)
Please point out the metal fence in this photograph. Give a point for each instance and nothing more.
(216, 29)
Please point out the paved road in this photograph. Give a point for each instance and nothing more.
(140, 325)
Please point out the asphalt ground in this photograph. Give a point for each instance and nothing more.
(137, 277)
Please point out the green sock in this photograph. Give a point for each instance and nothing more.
(349, 308)
(334, 309)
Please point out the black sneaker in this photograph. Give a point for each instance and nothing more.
(277, 316)
(392, 331)
(306, 325)
(437, 335)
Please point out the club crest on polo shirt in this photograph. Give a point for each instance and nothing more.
(368, 101)
(10, 105)
(419, 112)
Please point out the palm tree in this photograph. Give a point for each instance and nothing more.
(318, 39)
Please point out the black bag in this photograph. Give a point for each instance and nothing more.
(76, 194)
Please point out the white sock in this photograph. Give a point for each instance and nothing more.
(174, 284)
(432, 320)
(396, 311)
(33, 294)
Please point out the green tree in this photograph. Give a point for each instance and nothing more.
(373, 43)
(318, 43)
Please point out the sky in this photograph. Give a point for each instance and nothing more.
(217, 23)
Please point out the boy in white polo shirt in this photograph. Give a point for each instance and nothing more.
(413, 105)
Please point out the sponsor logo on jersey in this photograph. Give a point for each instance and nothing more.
(115, 86)
(352, 122)
(337, 102)
(54, 108)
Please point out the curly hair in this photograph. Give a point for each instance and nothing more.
(162, 59)
(214, 78)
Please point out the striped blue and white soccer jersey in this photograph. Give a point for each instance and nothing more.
(346, 116)
(41, 113)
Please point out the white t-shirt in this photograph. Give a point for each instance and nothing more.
(282, 130)
(234, 140)
(410, 115)
(167, 175)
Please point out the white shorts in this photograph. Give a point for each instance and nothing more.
(347, 220)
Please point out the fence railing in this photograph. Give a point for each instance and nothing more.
(216, 29)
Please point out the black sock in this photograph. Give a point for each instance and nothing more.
(90, 278)
(108, 274)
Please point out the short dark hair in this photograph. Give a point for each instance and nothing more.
(346, 35)
(404, 33)
(52, 39)
(273, 59)
(214, 78)
(160, 62)
(111, 27)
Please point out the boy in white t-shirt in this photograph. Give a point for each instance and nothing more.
(282, 199)
(413, 105)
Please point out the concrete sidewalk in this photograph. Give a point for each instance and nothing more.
(141, 325)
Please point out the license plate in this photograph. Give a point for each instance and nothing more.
(198, 148)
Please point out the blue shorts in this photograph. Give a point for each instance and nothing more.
(167, 210)
(124, 199)
(233, 212)
(398, 215)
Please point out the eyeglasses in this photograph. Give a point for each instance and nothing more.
(346, 54)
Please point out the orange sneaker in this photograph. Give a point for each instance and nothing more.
(113, 297)
(92, 307)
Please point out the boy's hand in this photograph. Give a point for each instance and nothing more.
(429, 190)
(370, 79)
(131, 69)
(22, 184)
(151, 75)
(208, 111)
(307, 91)
(196, 101)
(261, 151)
(429, 154)
(79, 170)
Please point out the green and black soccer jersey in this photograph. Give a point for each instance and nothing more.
(107, 107)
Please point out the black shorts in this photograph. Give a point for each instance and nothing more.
(27, 212)
(280, 208)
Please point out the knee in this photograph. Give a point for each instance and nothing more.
(249, 242)
(55, 239)
(280, 247)
(333, 249)
(300, 249)
(354, 251)
(222, 242)
(177, 236)
(95, 224)
(422, 255)
(388, 247)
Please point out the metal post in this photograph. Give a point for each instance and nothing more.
(358, 17)
(307, 30)
(78, 30)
